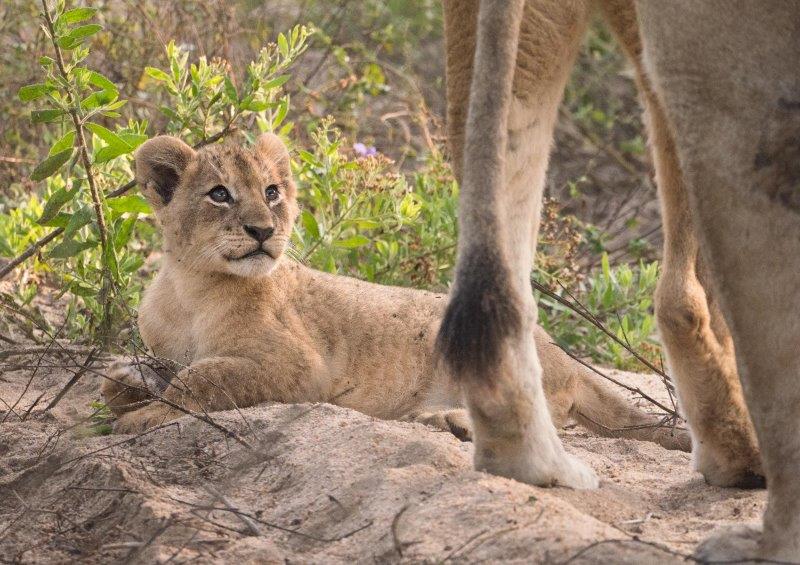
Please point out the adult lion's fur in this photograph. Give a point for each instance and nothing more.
(719, 82)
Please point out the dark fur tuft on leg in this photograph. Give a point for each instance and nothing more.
(482, 313)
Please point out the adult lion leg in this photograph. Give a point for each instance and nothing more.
(698, 345)
(486, 334)
(737, 127)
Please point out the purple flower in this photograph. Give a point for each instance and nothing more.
(363, 151)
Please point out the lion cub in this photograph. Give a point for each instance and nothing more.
(245, 325)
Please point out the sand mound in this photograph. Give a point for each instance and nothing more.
(318, 483)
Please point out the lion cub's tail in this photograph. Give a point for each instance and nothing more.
(607, 413)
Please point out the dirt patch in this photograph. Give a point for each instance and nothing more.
(318, 483)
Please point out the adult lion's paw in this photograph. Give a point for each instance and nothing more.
(453, 420)
(737, 544)
(145, 418)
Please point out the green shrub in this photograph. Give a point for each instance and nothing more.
(102, 241)
(361, 216)
(620, 298)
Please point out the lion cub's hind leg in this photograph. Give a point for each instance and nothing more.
(453, 420)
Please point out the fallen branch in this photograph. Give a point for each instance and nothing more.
(243, 517)
(75, 378)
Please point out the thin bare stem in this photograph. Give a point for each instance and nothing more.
(584, 313)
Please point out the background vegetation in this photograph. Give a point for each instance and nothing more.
(356, 89)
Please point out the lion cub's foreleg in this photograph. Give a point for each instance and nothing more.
(131, 384)
(218, 383)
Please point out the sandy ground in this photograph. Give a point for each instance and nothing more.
(318, 483)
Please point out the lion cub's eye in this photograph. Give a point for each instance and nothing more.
(220, 194)
(272, 192)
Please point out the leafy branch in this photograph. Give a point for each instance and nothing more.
(87, 172)
(75, 111)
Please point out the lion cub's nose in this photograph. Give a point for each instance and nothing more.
(259, 234)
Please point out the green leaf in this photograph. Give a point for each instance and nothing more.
(108, 136)
(157, 74)
(131, 203)
(66, 142)
(77, 35)
(83, 291)
(367, 224)
(134, 139)
(46, 116)
(97, 99)
(111, 261)
(352, 242)
(116, 145)
(76, 15)
(105, 154)
(130, 263)
(255, 106)
(79, 219)
(124, 232)
(32, 92)
(116, 105)
(230, 90)
(70, 248)
(57, 201)
(310, 224)
(276, 82)
(283, 109)
(308, 157)
(283, 45)
(103, 83)
(49, 166)
(60, 221)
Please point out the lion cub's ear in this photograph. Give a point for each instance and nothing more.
(160, 162)
(270, 148)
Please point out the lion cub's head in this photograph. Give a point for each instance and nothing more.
(223, 208)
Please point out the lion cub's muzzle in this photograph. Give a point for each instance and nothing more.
(261, 235)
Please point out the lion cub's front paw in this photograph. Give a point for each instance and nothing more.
(137, 421)
(132, 383)
(124, 389)
(453, 420)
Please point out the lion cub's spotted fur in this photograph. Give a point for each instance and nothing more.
(249, 328)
